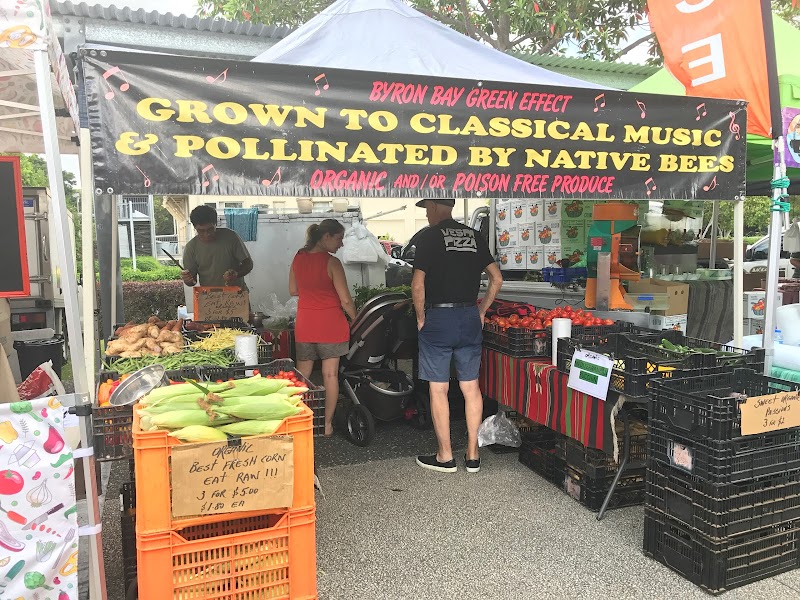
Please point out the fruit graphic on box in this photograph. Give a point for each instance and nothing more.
(574, 209)
(533, 258)
(504, 238)
(503, 258)
(502, 214)
(552, 208)
(552, 258)
(518, 212)
(526, 234)
(572, 232)
(758, 308)
(518, 258)
(545, 235)
(534, 209)
(575, 257)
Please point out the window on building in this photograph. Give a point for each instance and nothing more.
(233, 205)
(322, 206)
(211, 204)
(279, 207)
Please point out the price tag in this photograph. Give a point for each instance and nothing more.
(590, 373)
(761, 414)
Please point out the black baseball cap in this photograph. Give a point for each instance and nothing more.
(446, 201)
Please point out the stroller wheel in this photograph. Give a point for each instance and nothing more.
(360, 425)
(422, 417)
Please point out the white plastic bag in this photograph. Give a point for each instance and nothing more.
(361, 246)
(497, 429)
(278, 314)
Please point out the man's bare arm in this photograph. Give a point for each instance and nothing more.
(495, 283)
(418, 296)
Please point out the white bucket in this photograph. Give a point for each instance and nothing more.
(246, 349)
(787, 319)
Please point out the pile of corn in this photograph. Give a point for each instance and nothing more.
(209, 413)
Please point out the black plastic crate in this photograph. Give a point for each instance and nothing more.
(630, 375)
(528, 343)
(239, 324)
(127, 506)
(591, 492)
(595, 463)
(541, 458)
(719, 511)
(717, 566)
(708, 406)
(524, 426)
(726, 461)
(648, 345)
(111, 426)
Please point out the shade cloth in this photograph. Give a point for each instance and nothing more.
(709, 315)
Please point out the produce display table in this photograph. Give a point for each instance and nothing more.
(709, 313)
(537, 390)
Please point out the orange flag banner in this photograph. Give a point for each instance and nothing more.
(716, 49)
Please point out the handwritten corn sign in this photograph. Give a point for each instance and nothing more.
(761, 414)
(220, 303)
(250, 474)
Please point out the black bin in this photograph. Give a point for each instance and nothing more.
(35, 352)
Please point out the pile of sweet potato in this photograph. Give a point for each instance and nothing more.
(154, 338)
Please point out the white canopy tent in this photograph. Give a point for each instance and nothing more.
(389, 36)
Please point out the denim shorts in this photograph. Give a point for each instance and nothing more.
(450, 334)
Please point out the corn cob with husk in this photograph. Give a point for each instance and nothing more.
(199, 433)
(245, 428)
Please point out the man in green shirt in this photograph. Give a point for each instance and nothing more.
(216, 256)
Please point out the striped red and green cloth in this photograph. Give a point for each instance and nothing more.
(537, 390)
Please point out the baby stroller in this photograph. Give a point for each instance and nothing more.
(374, 390)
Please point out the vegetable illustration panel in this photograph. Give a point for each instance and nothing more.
(38, 520)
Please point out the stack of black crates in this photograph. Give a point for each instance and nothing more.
(722, 509)
(586, 474)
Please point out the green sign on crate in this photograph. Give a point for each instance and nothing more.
(590, 373)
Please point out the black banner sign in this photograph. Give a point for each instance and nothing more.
(167, 124)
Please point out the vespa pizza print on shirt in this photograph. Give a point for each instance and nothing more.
(459, 240)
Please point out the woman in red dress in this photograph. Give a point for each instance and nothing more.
(321, 329)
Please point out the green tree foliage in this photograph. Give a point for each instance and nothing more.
(597, 27)
(756, 215)
(165, 224)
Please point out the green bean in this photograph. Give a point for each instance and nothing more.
(187, 358)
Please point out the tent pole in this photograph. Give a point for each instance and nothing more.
(492, 225)
(87, 258)
(775, 231)
(97, 587)
(712, 258)
(738, 272)
(114, 257)
(466, 212)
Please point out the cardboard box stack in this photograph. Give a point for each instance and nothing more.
(673, 317)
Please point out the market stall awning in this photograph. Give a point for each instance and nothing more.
(759, 149)
(390, 36)
(23, 30)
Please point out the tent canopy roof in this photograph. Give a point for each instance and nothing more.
(388, 36)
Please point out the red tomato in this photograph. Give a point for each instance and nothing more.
(256, 372)
(568, 310)
(526, 322)
(548, 322)
(608, 321)
(501, 322)
(11, 482)
(537, 324)
(513, 319)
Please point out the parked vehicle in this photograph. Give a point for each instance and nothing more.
(756, 255)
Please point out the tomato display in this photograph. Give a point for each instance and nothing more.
(542, 319)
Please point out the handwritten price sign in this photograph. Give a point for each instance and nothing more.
(213, 478)
(761, 414)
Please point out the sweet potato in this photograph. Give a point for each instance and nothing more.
(153, 331)
(152, 320)
(131, 354)
(153, 346)
(170, 349)
(116, 347)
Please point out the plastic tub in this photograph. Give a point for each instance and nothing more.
(33, 353)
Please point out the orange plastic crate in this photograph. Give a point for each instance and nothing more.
(271, 556)
(152, 451)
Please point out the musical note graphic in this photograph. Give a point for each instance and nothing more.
(316, 82)
(642, 107)
(734, 127)
(711, 185)
(224, 76)
(602, 104)
(214, 177)
(147, 181)
(650, 182)
(701, 111)
(276, 178)
(122, 88)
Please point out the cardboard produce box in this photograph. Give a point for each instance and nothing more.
(677, 291)
(535, 211)
(755, 304)
(536, 257)
(518, 211)
(503, 217)
(661, 322)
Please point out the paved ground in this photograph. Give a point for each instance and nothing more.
(388, 530)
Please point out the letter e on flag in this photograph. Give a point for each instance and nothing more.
(715, 48)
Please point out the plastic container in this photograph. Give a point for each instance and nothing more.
(717, 566)
(268, 556)
(724, 462)
(529, 343)
(152, 451)
(33, 353)
(538, 453)
(719, 511)
(127, 506)
(643, 301)
(715, 274)
(591, 492)
(595, 463)
(707, 407)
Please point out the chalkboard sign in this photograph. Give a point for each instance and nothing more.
(14, 279)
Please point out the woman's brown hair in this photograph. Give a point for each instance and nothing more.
(317, 231)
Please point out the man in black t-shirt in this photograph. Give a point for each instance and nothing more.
(448, 264)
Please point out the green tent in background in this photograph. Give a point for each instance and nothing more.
(759, 149)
